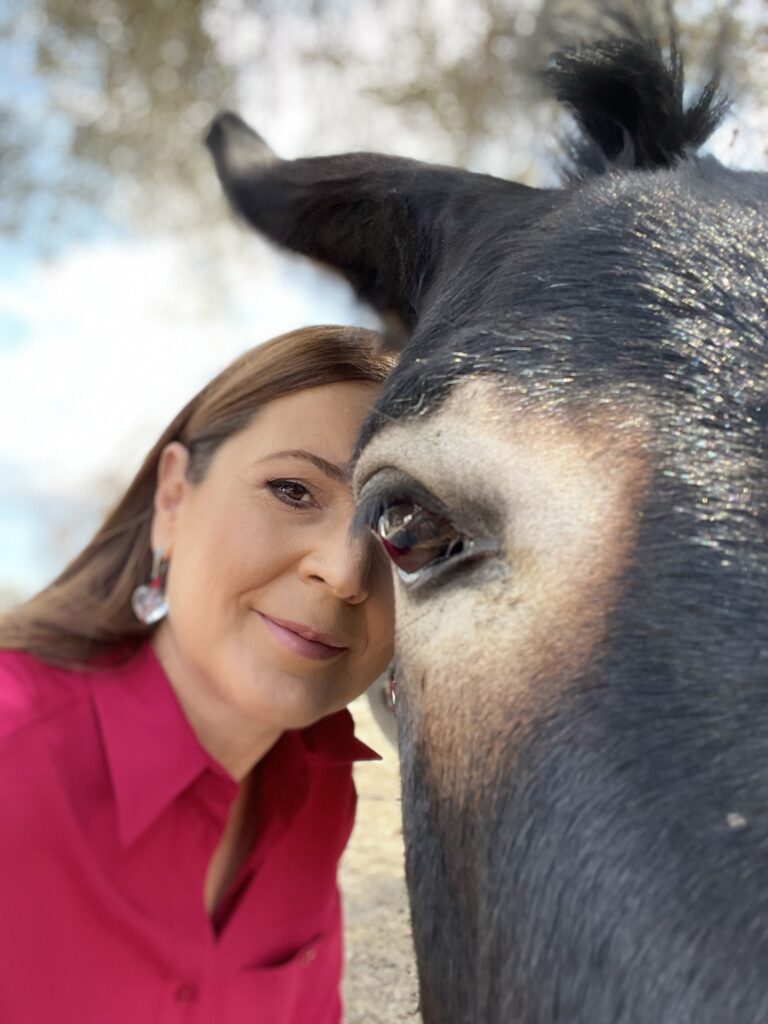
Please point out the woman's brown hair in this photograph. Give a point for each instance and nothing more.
(85, 614)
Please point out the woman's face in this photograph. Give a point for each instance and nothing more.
(274, 609)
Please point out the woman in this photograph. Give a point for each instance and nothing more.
(175, 760)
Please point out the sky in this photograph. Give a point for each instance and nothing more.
(107, 333)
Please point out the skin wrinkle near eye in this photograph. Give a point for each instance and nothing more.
(569, 491)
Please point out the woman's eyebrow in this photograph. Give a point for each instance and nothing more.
(340, 473)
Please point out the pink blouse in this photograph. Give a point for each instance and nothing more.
(109, 813)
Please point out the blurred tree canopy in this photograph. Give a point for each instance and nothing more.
(103, 102)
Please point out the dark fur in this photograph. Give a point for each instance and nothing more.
(599, 881)
(629, 105)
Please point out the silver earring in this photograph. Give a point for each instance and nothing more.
(148, 601)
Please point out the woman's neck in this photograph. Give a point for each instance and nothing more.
(231, 739)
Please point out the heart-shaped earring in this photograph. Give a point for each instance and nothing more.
(148, 600)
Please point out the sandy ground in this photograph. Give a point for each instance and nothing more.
(380, 983)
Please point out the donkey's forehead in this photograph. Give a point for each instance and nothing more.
(482, 412)
(654, 283)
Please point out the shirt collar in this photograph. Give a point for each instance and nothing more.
(332, 741)
(153, 754)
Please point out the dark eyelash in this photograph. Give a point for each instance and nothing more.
(369, 511)
(372, 505)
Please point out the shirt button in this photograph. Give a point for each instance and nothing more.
(308, 956)
(186, 992)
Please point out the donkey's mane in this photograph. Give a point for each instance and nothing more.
(628, 103)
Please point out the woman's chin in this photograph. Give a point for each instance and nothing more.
(296, 703)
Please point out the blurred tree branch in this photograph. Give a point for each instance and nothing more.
(105, 117)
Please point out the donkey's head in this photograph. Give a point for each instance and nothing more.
(568, 470)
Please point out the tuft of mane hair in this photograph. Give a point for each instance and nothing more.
(628, 103)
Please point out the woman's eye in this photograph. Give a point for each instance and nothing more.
(414, 538)
(290, 491)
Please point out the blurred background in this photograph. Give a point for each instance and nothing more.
(124, 283)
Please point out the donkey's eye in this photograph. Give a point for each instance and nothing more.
(416, 539)
(432, 544)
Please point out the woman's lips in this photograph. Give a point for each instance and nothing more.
(302, 640)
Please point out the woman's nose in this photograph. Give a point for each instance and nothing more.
(342, 562)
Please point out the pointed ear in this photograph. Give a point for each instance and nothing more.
(384, 222)
(172, 487)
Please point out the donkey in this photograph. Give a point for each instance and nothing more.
(568, 470)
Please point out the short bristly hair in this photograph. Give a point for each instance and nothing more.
(628, 102)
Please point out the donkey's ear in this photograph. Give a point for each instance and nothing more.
(383, 222)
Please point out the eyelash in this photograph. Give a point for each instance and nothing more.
(280, 487)
(371, 506)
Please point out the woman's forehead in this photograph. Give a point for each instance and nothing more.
(323, 420)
